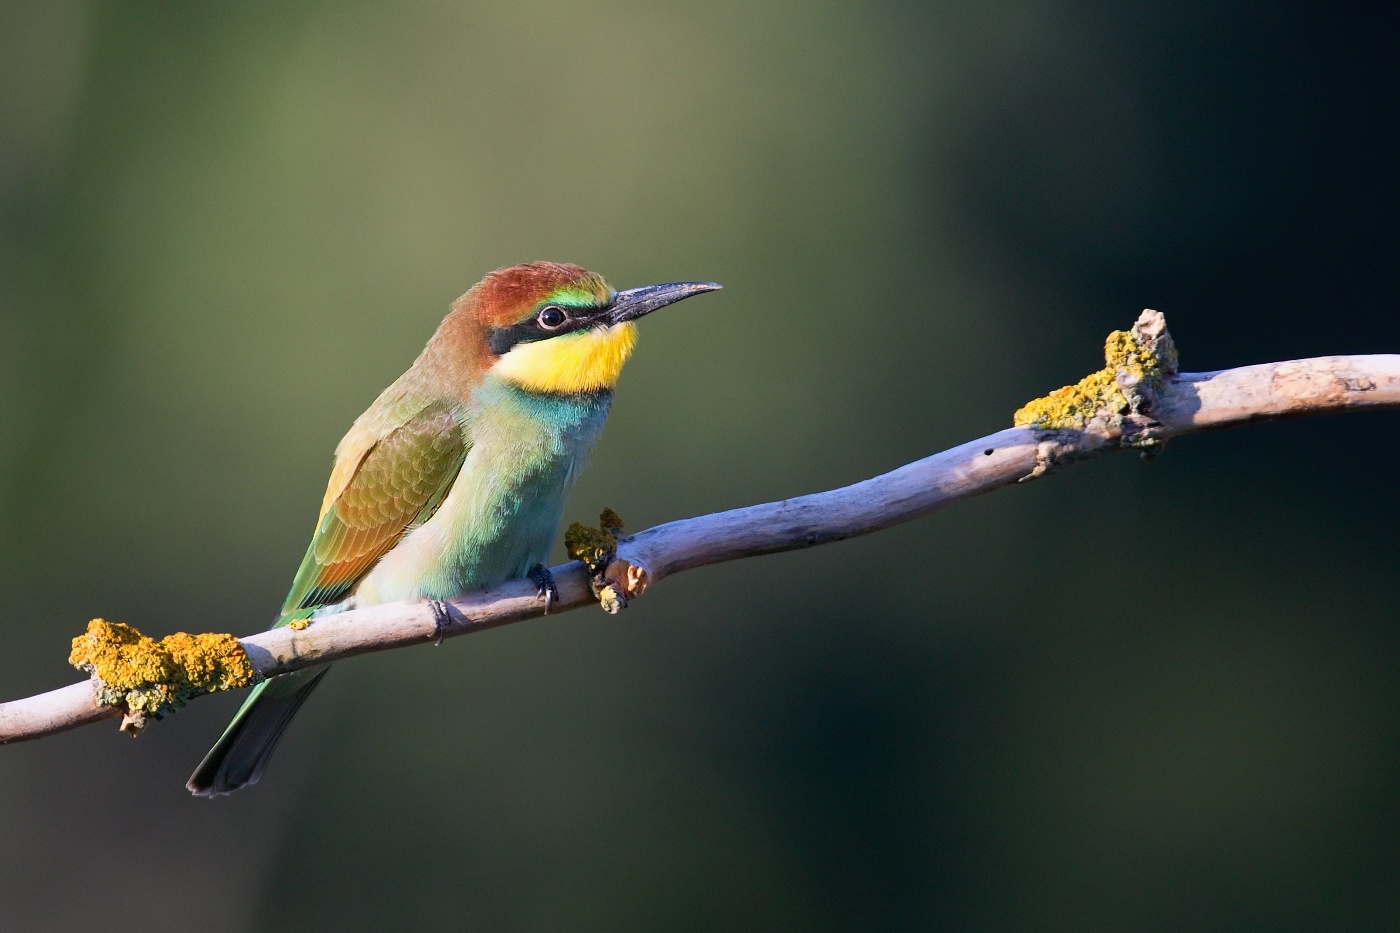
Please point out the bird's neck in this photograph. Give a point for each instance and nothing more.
(554, 409)
(454, 360)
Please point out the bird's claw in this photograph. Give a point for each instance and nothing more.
(544, 584)
(442, 619)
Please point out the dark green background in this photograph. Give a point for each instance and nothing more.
(1130, 697)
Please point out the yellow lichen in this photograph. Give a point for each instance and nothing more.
(150, 678)
(596, 547)
(611, 598)
(1073, 406)
(298, 625)
(612, 581)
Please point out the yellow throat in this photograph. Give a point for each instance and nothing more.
(584, 361)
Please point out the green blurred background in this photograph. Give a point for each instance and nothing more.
(1130, 697)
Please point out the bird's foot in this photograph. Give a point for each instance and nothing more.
(544, 584)
(442, 619)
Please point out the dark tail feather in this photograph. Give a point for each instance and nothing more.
(241, 753)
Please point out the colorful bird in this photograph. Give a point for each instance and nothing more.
(456, 477)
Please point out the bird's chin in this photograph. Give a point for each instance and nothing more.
(584, 361)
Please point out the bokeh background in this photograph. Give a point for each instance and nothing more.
(1130, 697)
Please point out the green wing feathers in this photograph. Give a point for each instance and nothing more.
(398, 485)
(391, 474)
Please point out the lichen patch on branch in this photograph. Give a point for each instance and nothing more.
(1135, 362)
(149, 679)
(595, 547)
(612, 580)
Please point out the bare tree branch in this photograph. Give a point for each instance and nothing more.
(1156, 410)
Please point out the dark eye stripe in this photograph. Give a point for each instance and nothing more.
(501, 339)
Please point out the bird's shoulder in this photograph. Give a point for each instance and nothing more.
(392, 471)
(407, 422)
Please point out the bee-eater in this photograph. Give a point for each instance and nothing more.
(456, 477)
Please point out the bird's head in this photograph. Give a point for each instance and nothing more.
(557, 328)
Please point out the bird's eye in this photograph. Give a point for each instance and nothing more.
(552, 317)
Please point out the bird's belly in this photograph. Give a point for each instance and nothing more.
(481, 536)
(498, 520)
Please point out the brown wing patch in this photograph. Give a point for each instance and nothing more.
(398, 484)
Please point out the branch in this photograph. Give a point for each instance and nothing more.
(1137, 402)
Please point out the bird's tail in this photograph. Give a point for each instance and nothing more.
(241, 753)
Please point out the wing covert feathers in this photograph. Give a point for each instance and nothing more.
(397, 484)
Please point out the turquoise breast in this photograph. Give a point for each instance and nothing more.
(527, 450)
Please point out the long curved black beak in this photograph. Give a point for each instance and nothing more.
(635, 302)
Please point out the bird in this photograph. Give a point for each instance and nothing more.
(456, 477)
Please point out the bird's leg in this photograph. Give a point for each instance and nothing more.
(442, 619)
(544, 583)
